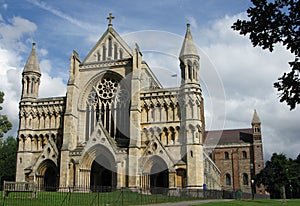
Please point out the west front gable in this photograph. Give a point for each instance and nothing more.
(109, 47)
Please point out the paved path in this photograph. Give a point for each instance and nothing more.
(187, 203)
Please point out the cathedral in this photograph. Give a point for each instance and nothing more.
(118, 127)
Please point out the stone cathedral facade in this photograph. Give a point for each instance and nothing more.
(117, 126)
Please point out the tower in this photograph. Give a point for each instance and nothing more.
(31, 76)
(258, 160)
(192, 115)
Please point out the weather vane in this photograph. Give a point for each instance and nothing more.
(110, 18)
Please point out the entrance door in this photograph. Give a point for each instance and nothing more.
(102, 179)
(50, 179)
(159, 182)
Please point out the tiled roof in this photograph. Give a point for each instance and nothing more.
(227, 137)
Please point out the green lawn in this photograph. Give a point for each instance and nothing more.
(293, 202)
(118, 198)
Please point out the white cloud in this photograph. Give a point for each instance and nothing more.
(12, 48)
(248, 75)
(5, 6)
(13, 31)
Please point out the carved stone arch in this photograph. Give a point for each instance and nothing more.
(40, 141)
(157, 132)
(94, 152)
(35, 141)
(29, 138)
(22, 136)
(47, 175)
(97, 167)
(147, 166)
(22, 139)
(190, 69)
(88, 87)
(165, 129)
(43, 166)
(165, 136)
(53, 137)
(196, 70)
(115, 45)
(109, 46)
(152, 131)
(172, 135)
(103, 51)
(157, 170)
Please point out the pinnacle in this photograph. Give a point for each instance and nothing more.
(255, 119)
(188, 46)
(32, 64)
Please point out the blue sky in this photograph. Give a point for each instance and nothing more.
(236, 78)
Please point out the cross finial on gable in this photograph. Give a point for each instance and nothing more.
(110, 18)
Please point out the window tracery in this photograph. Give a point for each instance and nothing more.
(108, 103)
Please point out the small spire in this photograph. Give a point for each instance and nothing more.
(110, 18)
(32, 64)
(188, 46)
(255, 119)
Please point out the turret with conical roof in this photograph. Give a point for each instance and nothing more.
(189, 60)
(256, 123)
(192, 118)
(31, 76)
(255, 119)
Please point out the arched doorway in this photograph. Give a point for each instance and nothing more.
(159, 181)
(50, 179)
(102, 177)
(47, 177)
(159, 175)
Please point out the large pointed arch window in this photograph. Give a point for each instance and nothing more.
(108, 104)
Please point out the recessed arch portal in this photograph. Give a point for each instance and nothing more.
(158, 170)
(48, 175)
(102, 165)
(102, 178)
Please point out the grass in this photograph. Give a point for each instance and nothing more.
(291, 202)
(118, 198)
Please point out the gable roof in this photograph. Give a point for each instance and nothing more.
(109, 33)
(227, 137)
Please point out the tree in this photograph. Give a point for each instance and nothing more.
(8, 156)
(5, 125)
(281, 176)
(273, 22)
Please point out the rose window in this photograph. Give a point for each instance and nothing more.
(107, 88)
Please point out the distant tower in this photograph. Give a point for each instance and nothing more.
(258, 163)
(31, 76)
(192, 115)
